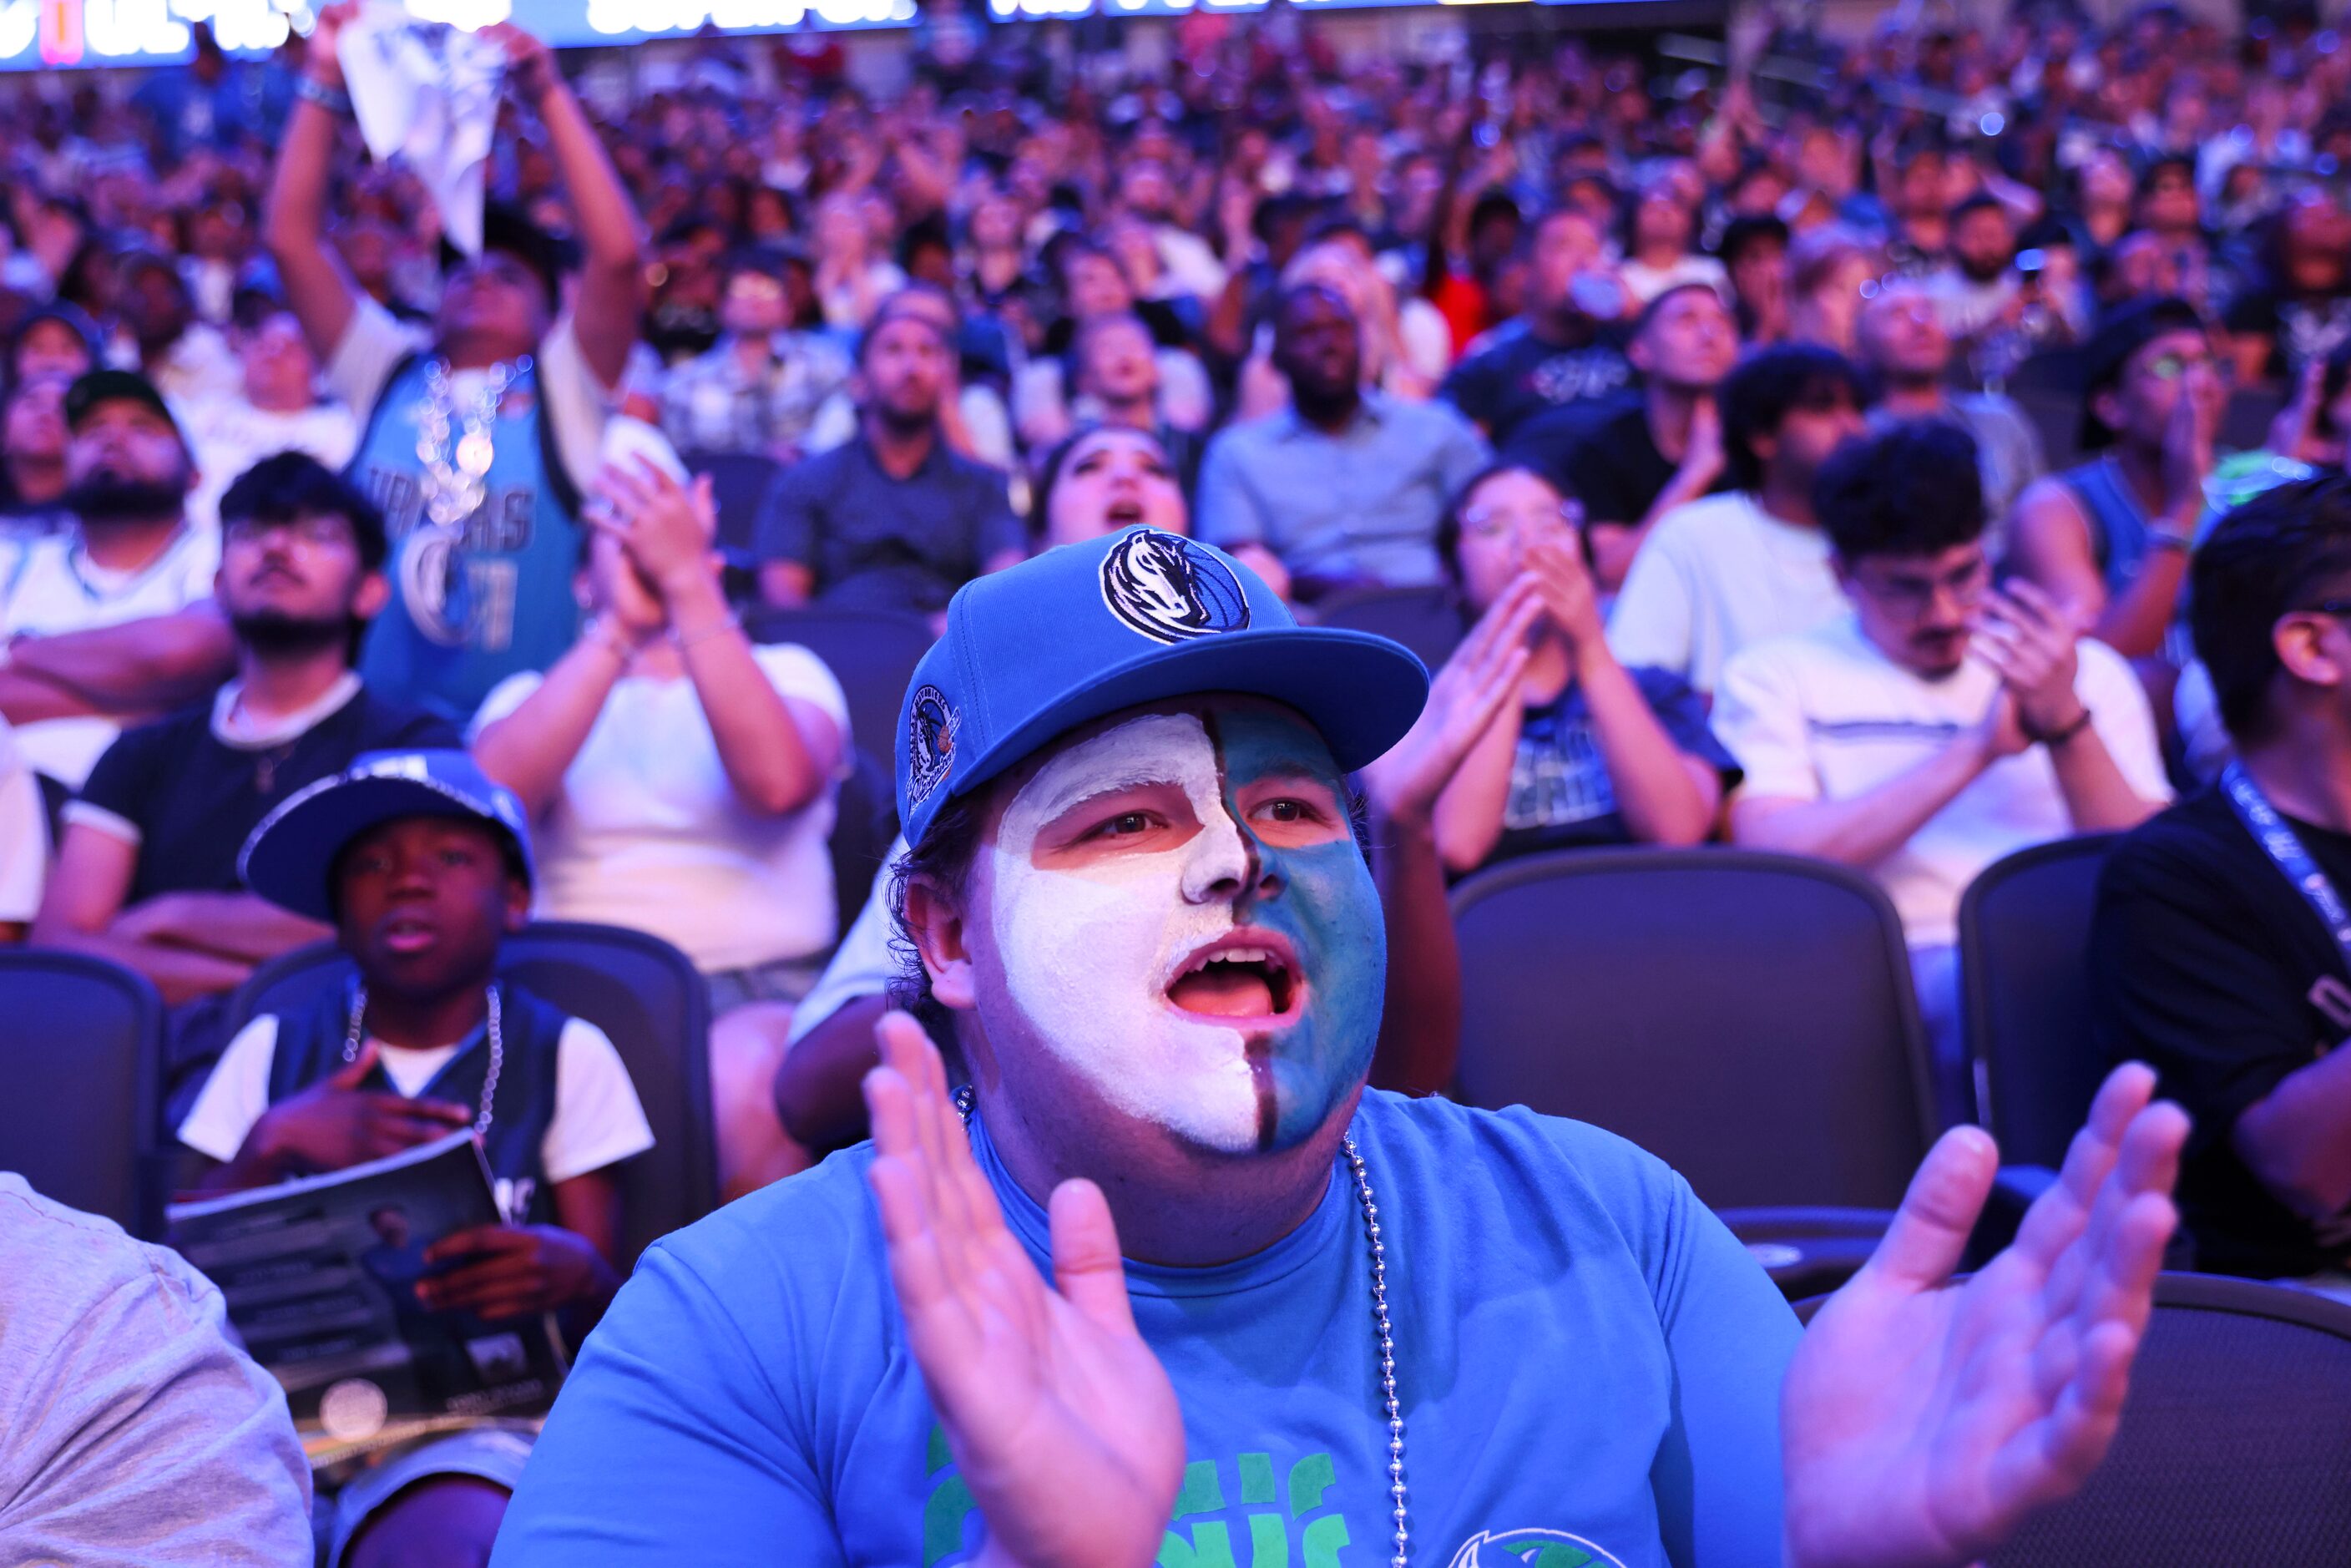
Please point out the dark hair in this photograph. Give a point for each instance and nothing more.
(2330, 387)
(893, 307)
(1448, 526)
(1978, 201)
(1913, 489)
(1757, 393)
(944, 858)
(1049, 472)
(2184, 161)
(2277, 553)
(1743, 234)
(1656, 307)
(291, 485)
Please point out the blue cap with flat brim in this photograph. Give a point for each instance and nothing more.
(289, 860)
(1137, 616)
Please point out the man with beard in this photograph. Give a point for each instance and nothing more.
(146, 874)
(894, 519)
(1345, 486)
(1943, 723)
(111, 620)
(1172, 1276)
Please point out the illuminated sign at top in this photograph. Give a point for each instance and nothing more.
(37, 33)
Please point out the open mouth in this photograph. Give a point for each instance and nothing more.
(1246, 974)
(1125, 509)
(404, 935)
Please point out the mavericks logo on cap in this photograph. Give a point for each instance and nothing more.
(1170, 590)
(930, 743)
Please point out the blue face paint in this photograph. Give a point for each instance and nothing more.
(1320, 898)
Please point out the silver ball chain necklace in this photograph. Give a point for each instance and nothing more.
(352, 1037)
(457, 467)
(966, 1102)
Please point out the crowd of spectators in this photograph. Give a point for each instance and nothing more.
(1818, 454)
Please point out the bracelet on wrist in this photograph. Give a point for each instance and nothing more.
(2062, 732)
(333, 100)
(2180, 539)
(684, 640)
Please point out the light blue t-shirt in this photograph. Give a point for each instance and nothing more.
(1590, 1367)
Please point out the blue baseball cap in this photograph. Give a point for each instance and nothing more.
(1137, 616)
(291, 858)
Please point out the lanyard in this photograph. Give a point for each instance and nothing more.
(2275, 836)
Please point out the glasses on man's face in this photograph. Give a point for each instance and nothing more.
(310, 533)
(1908, 596)
(1493, 522)
(2171, 366)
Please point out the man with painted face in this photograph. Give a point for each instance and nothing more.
(480, 435)
(1347, 1326)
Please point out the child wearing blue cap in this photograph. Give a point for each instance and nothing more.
(421, 865)
(1164, 1275)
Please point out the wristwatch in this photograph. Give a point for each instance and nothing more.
(2170, 539)
(333, 100)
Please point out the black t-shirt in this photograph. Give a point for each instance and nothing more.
(1562, 796)
(2203, 959)
(1601, 456)
(193, 800)
(1511, 375)
(2299, 330)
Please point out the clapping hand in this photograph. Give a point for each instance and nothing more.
(2024, 636)
(1569, 595)
(1469, 691)
(1923, 1418)
(667, 529)
(1061, 1419)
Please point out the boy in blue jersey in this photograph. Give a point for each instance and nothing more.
(421, 865)
(1164, 1276)
(482, 435)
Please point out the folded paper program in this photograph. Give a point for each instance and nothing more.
(429, 93)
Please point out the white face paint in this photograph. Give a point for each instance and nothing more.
(1087, 955)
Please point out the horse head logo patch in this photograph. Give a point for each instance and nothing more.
(1170, 589)
(931, 727)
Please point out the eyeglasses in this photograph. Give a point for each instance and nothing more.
(312, 533)
(2171, 366)
(1493, 522)
(1910, 597)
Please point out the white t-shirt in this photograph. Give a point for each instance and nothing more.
(647, 832)
(1644, 282)
(23, 833)
(48, 586)
(232, 435)
(598, 1119)
(1826, 717)
(866, 961)
(1716, 576)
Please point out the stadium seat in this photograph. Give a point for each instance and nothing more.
(1748, 1017)
(638, 990)
(2024, 938)
(2235, 1444)
(865, 824)
(871, 653)
(78, 1084)
(738, 483)
(1425, 619)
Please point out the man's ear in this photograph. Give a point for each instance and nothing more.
(2108, 406)
(935, 927)
(374, 594)
(1638, 355)
(2305, 649)
(517, 905)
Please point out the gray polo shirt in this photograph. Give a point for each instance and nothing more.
(876, 542)
(132, 1431)
(1362, 505)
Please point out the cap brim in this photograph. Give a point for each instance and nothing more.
(291, 858)
(1361, 691)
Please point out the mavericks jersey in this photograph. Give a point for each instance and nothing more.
(473, 605)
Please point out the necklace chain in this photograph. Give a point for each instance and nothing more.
(966, 1100)
(458, 468)
(355, 1033)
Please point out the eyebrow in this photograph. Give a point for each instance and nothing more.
(1062, 802)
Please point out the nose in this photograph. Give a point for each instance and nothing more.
(1227, 866)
